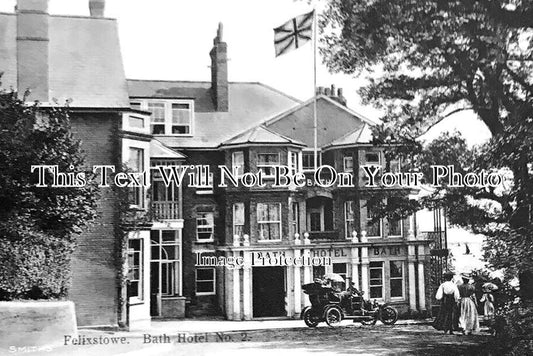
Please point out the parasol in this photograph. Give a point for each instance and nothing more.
(490, 286)
(334, 277)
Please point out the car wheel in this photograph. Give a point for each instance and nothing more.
(389, 315)
(310, 319)
(333, 316)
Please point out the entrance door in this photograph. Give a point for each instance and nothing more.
(165, 269)
(268, 291)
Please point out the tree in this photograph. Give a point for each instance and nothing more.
(38, 225)
(429, 59)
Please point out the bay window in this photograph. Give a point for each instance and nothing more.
(347, 164)
(238, 219)
(135, 268)
(237, 162)
(266, 163)
(269, 221)
(136, 164)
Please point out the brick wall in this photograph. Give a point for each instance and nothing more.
(193, 203)
(94, 267)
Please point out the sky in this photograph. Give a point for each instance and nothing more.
(171, 40)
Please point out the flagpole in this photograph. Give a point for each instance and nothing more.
(315, 119)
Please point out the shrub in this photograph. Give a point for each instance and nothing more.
(34, 267)
(38, 224)
(514, 331)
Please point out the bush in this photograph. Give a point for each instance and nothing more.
(34, 267)
(39, 222)
(514, 331)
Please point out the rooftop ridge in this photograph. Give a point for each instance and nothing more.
(68, 16)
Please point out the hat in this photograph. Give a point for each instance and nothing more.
(447, 275)
(491, 287)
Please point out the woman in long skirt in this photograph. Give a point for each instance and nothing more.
(468, 319)
(448, 294)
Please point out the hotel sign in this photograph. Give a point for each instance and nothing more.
(331, 252)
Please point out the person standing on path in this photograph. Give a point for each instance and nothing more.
(448, 294)
(468, 319)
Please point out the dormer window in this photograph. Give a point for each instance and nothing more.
(181, 119)
(157, 119)
(168, 117)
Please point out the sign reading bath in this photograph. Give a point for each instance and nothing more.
(387, 250)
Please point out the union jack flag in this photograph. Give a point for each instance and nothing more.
(294, 33)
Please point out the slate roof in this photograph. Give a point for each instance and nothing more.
(362, 135)
(260, 135)
(85, 63)
(334, 122)
(250, 104)
(159, 150)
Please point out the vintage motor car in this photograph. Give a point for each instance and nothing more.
(332, 306)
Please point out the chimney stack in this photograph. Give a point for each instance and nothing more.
(32, 49)
(219, 72)
(97, 8)
(332, 93)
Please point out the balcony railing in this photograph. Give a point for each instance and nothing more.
(166, 210)
(325, 235)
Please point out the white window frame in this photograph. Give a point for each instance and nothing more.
(401, 229)
(140, 280)
(344, 160)
(348, 234)
(367, 224)
(152, 117)
(295, 211)
(206, 280)
(176, 278)
(167, 114)
(344, 274)
(259, 166)
(312, 154)
(171, 123)
(200, 217)
(397, 278)
(367, 162)
(294, 162)
(139, 192)
(397, 164)
(234, 163)
(260, 238)
(370, 285)
(234, 218)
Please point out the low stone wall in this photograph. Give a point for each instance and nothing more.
(27, 324)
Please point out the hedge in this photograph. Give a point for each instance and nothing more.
(36, 266)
